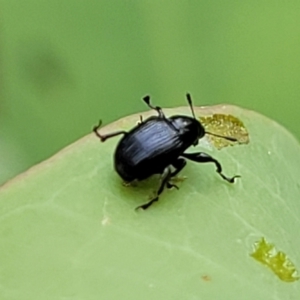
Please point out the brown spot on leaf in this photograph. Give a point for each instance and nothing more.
(206, 278)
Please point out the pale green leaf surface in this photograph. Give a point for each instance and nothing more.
(68, 227)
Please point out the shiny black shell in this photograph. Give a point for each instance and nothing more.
(154, 144)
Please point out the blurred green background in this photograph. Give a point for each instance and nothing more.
(66, 63)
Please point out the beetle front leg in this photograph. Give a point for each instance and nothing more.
(166, 177)
(103, 138)
(205, 158)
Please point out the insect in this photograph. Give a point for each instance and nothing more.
(157, 145)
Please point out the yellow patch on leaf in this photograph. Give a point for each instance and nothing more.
(277, 261)
(225, 125)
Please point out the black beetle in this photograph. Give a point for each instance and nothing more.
(156, 145)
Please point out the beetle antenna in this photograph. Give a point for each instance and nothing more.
(189, 99)
(222, 136)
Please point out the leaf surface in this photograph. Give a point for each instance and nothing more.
(69, 230)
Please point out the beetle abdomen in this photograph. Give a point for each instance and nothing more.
(146, 150)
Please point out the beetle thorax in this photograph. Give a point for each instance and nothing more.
(189, 128)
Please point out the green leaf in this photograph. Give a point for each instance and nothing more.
(69, 229)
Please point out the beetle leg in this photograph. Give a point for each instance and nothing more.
(160, 112)
(157, 108)
(103, 138)
(148, 204)
(140, 121)
(165, 182)
(204, 158)
(170, 185)
(178, 164)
